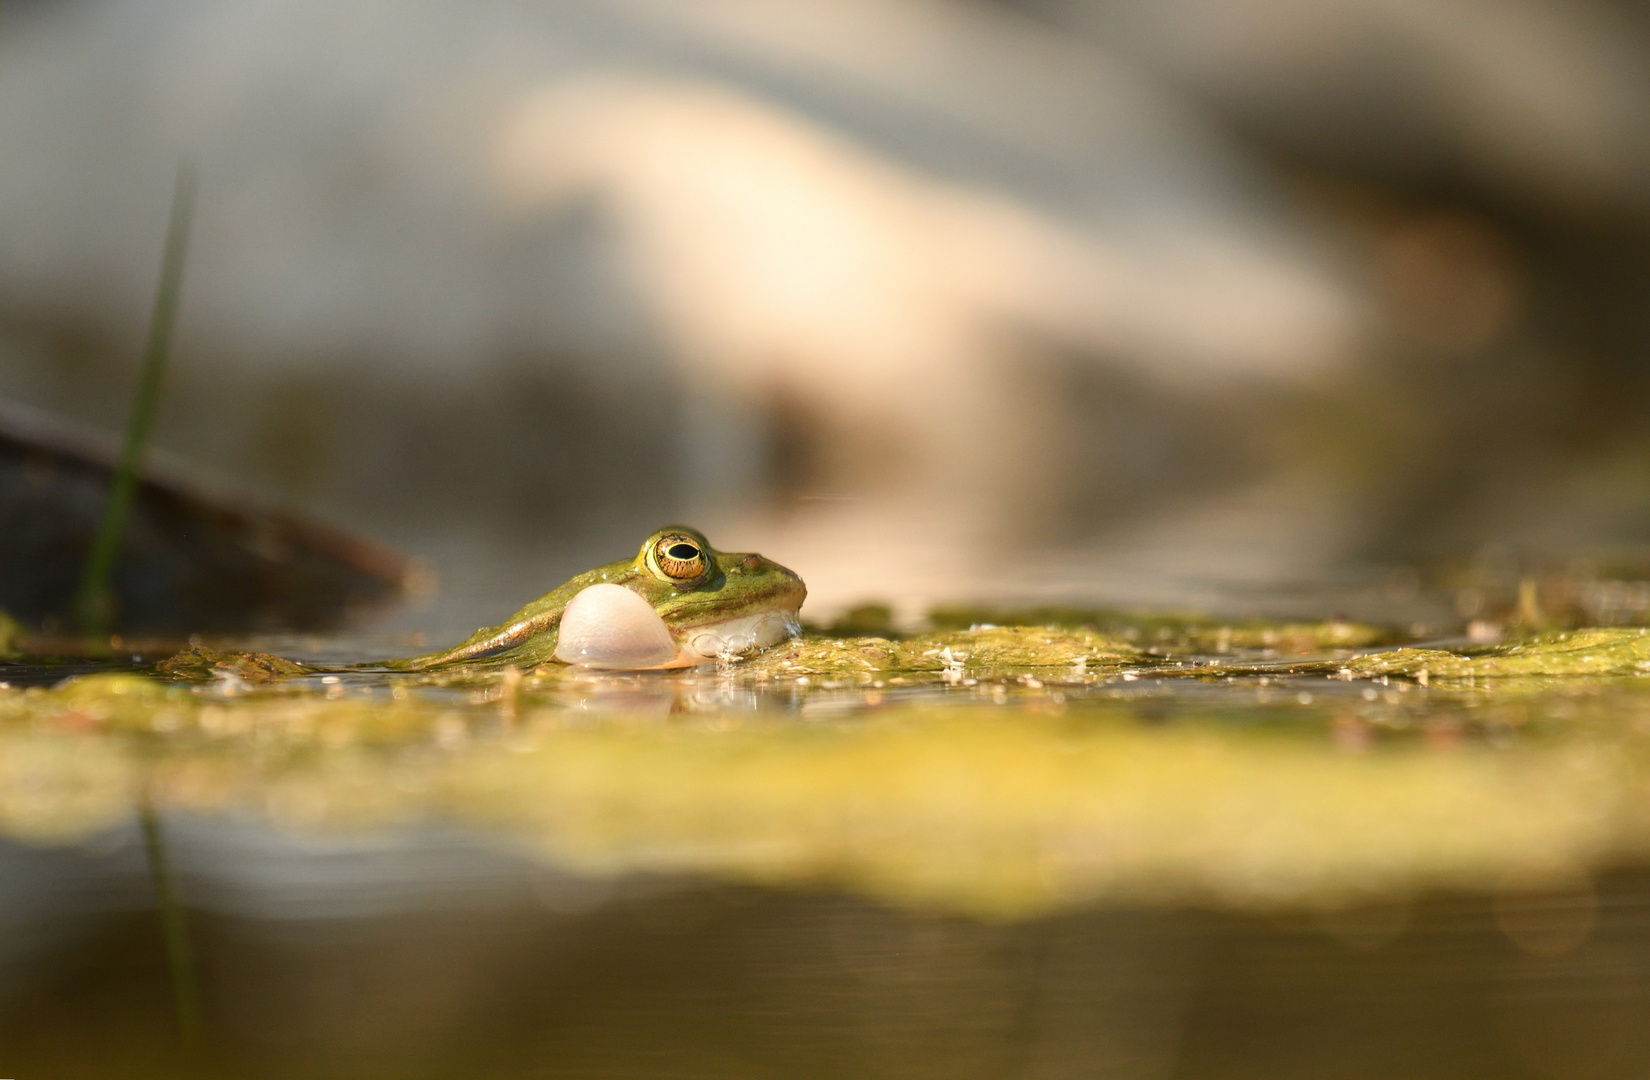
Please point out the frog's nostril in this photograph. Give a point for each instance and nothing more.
(752, 562)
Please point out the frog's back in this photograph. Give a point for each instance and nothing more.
(525, 639)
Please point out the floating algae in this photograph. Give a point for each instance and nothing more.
(1189, 633)
(1000, 772)
(202, 663)
(1564, 654)
(983, 651)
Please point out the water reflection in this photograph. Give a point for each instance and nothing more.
(434, 954)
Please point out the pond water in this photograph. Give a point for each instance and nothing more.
(1151, 850)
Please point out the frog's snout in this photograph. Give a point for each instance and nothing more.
(781, 586)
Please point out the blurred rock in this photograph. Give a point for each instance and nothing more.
(189, 561)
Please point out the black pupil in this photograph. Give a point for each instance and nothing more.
(683, 552)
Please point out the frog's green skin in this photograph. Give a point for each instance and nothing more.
(740, 584)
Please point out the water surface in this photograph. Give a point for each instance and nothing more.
(1005, 852)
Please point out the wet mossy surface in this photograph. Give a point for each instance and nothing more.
(1186, 632)
(984, 651)
(200, 663)
(998, 771)
(1557, 655)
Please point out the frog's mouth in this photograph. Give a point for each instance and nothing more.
(736, 636)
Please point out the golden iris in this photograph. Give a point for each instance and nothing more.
(679, 557)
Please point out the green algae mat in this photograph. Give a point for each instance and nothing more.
(1002, 772)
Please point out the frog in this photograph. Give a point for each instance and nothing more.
(677, 604)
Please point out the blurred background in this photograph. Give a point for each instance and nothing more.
(1277, 307)
(1184, 303)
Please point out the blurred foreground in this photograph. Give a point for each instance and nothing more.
(1025, 851)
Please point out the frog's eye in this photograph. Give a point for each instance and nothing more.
(679, 558)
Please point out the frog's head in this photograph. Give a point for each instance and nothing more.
(696, 603)
(692, 585)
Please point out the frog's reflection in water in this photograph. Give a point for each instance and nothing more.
(657, 694)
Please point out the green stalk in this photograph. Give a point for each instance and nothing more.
(179, 960)
(93, 604)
